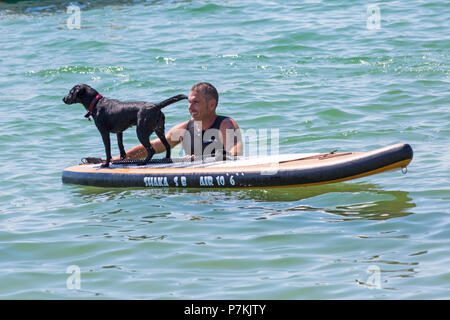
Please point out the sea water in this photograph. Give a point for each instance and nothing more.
(346, 75)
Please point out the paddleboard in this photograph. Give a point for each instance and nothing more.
(286, 170)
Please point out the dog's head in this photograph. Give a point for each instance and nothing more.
(79, 94)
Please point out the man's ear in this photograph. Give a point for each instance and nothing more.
(212, 104)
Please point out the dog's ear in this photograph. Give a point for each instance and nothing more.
(79, 89)
(85, 89)
(74, 90)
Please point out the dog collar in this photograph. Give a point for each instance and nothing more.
(92, 105)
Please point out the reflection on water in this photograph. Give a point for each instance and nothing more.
(396, 205)
(344, 201)
(361, 200)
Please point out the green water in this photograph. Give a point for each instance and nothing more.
(314, 70)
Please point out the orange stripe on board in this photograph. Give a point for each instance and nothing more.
(401, 164)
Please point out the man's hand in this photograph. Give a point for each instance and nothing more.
(92, 160)
(189, 156)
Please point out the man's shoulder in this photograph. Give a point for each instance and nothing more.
(228, 123)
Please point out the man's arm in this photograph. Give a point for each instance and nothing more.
(231, 137)
(174, 137)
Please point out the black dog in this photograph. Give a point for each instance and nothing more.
(113, 116)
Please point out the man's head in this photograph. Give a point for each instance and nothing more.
(203, 101)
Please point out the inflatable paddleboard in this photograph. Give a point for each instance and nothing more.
(288, 170)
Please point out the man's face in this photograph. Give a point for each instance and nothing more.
(199, 107)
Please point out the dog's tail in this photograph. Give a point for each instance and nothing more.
(174, 99)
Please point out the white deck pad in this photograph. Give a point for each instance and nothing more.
(212, 163)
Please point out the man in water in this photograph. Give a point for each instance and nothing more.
(205, 134)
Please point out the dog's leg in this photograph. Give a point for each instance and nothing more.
(160, 133)
(150, 153)
(107, 144)
(144, 137)
(159, 130)
(123, 154)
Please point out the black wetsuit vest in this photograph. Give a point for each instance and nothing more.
(205, 144)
